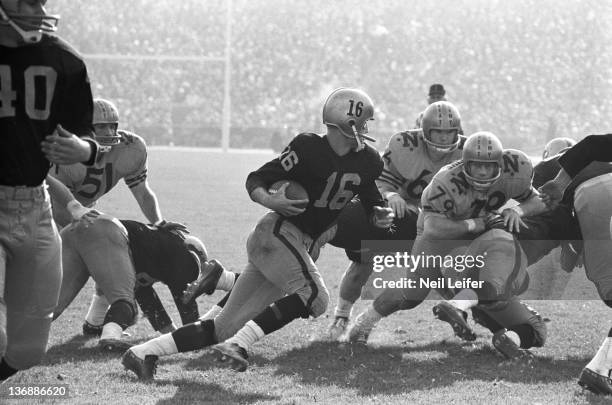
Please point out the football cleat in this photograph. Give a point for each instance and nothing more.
(114, 345)
(236, 355)
(359, 332)
(336, 329)
(456, 318)
(506, 346)
(595, 382)
(206, 283)
(92, 330)
(144, 369)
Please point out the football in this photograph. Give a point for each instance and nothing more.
(294, 191)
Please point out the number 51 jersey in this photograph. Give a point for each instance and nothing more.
(126, 160)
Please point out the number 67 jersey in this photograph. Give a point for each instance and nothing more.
(126, 160)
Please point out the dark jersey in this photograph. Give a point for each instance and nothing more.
(42, 85)
(330, 180)
(547, 170)
(160, 254)
(593, 148)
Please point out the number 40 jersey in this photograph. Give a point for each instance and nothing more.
(126, 160)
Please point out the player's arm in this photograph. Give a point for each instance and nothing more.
(373, 202)
(153, 309)
(147, 200)
(438, 203)
(284, 167)
(529, 204)
(139, 186)
(188, 312)
(64, 199)
(389, 183)
(593, 148)
(72, 141)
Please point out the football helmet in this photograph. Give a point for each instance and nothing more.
(349, 110)
(105, 112)
(31, 21)
(554, 146)
(482, 147)
(441, 115)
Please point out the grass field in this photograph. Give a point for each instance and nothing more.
(412, 358)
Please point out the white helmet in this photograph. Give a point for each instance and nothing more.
(349, 110)
(105, 112)
(482, 147)
(554, 146)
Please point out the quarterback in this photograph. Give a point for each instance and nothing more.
(281, 282)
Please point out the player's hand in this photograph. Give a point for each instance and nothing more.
(494, 221)
(65, 148)
(175, 227)
(399, 206)
(512, 220)
(551, 193)
(383, 217)
(280, 203)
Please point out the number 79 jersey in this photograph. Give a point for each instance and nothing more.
(126, 160)
(450, 194)
(330, 180)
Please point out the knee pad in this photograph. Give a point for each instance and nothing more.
(121, 312)
(532, 334)
(315, 298)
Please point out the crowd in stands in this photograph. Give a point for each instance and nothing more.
(527, 70)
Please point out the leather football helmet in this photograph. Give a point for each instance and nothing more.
(29, 22)
(441, 115)
(349, 110)
(105, 112)
(482, 147)
(554, 146)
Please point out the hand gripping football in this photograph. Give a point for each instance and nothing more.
(294, 191)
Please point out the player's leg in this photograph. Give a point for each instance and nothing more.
(105, 250)
(593, 209)
(392, 300)
(251, 294)
(280, 253)
(353, 228)
(33, 277)
(515, 326)
(74, 272)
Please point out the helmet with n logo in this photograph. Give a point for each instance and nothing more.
(482, 148)
(441, 115)
(349, 110)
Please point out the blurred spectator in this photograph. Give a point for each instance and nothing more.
(499, 58)
(436, 93)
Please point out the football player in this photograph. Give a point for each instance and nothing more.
(46, 107)
(591, 195)
(123, 156)
(458, 206)
(126, 258)
(281, 281)
(410, 161)
(556, 145)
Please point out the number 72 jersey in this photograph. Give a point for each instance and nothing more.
(126, 160)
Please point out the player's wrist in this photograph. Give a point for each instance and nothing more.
(471, 225)
(76, 209)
